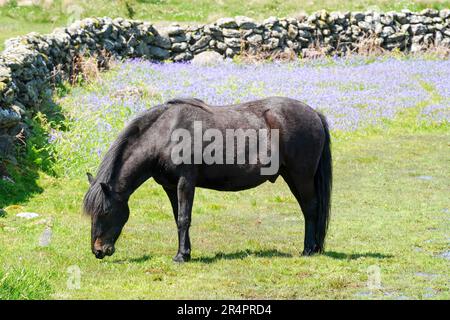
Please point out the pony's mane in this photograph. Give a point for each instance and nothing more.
(95, 200)
(191, 102)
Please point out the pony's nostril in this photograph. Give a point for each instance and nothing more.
(99, 254)
(109, 251)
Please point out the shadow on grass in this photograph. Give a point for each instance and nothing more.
(242, 254)
(355, 256)
(272, 253)
(140, 259)
(21, 187)
(19, 179)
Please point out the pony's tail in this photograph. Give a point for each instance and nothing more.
(323, 184)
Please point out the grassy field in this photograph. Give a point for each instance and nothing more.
(17, 20)
(247, 244)
(390, 213)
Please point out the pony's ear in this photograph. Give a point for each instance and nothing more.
(106, 188)
(90, 178)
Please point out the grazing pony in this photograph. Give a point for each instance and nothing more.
(146, 148)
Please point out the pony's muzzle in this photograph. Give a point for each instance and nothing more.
(101, 250)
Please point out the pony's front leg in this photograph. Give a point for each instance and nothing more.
(185, 192)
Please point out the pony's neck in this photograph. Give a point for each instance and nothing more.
(127, 164)
(131, 171)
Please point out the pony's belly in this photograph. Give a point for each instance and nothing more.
(228, 178)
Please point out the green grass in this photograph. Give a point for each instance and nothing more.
(15, 20)
(247, 244)
(23, 284)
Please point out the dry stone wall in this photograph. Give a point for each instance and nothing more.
(30, 65)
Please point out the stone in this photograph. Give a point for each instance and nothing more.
(159, 53)
(8, 118)
(179, 47)
(429, 12)
(323, 15)
(438, 38)
(231, 33)
(445, 255)
(278, 32)
(227, 23)
(162, 42)
(321, 24)
(271, 21)
(399, 36)
(201, 43)
(142, 50)
(221, 46)
(182, 57)
(45, 238)
(273, 43)
(197, 35)
(214, 31)
(427, 20)
(306, 27)
(27, 215)
(233, 42)
(387, 19)
(175, 30)
(378, 28)
(406, 28)
(304, 34)
(425, 178)
(18, 108)
(180, 38)
(444, 13)
(5, 74)
(355, 30)
(229, 53)
(255, 39)
(414, 19)
(358, 16)
(245, 23)
(418, 29)
(401, 18)
(387, 31)
(207, 58)
(364, 25)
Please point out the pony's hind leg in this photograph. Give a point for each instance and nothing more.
(173, 197)
(185, 195)
(303, 190)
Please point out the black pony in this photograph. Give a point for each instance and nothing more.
(145, 148)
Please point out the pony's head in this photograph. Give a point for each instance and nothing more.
(109, 212)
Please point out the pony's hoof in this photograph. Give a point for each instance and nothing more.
(180, 258)
(311, 251)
